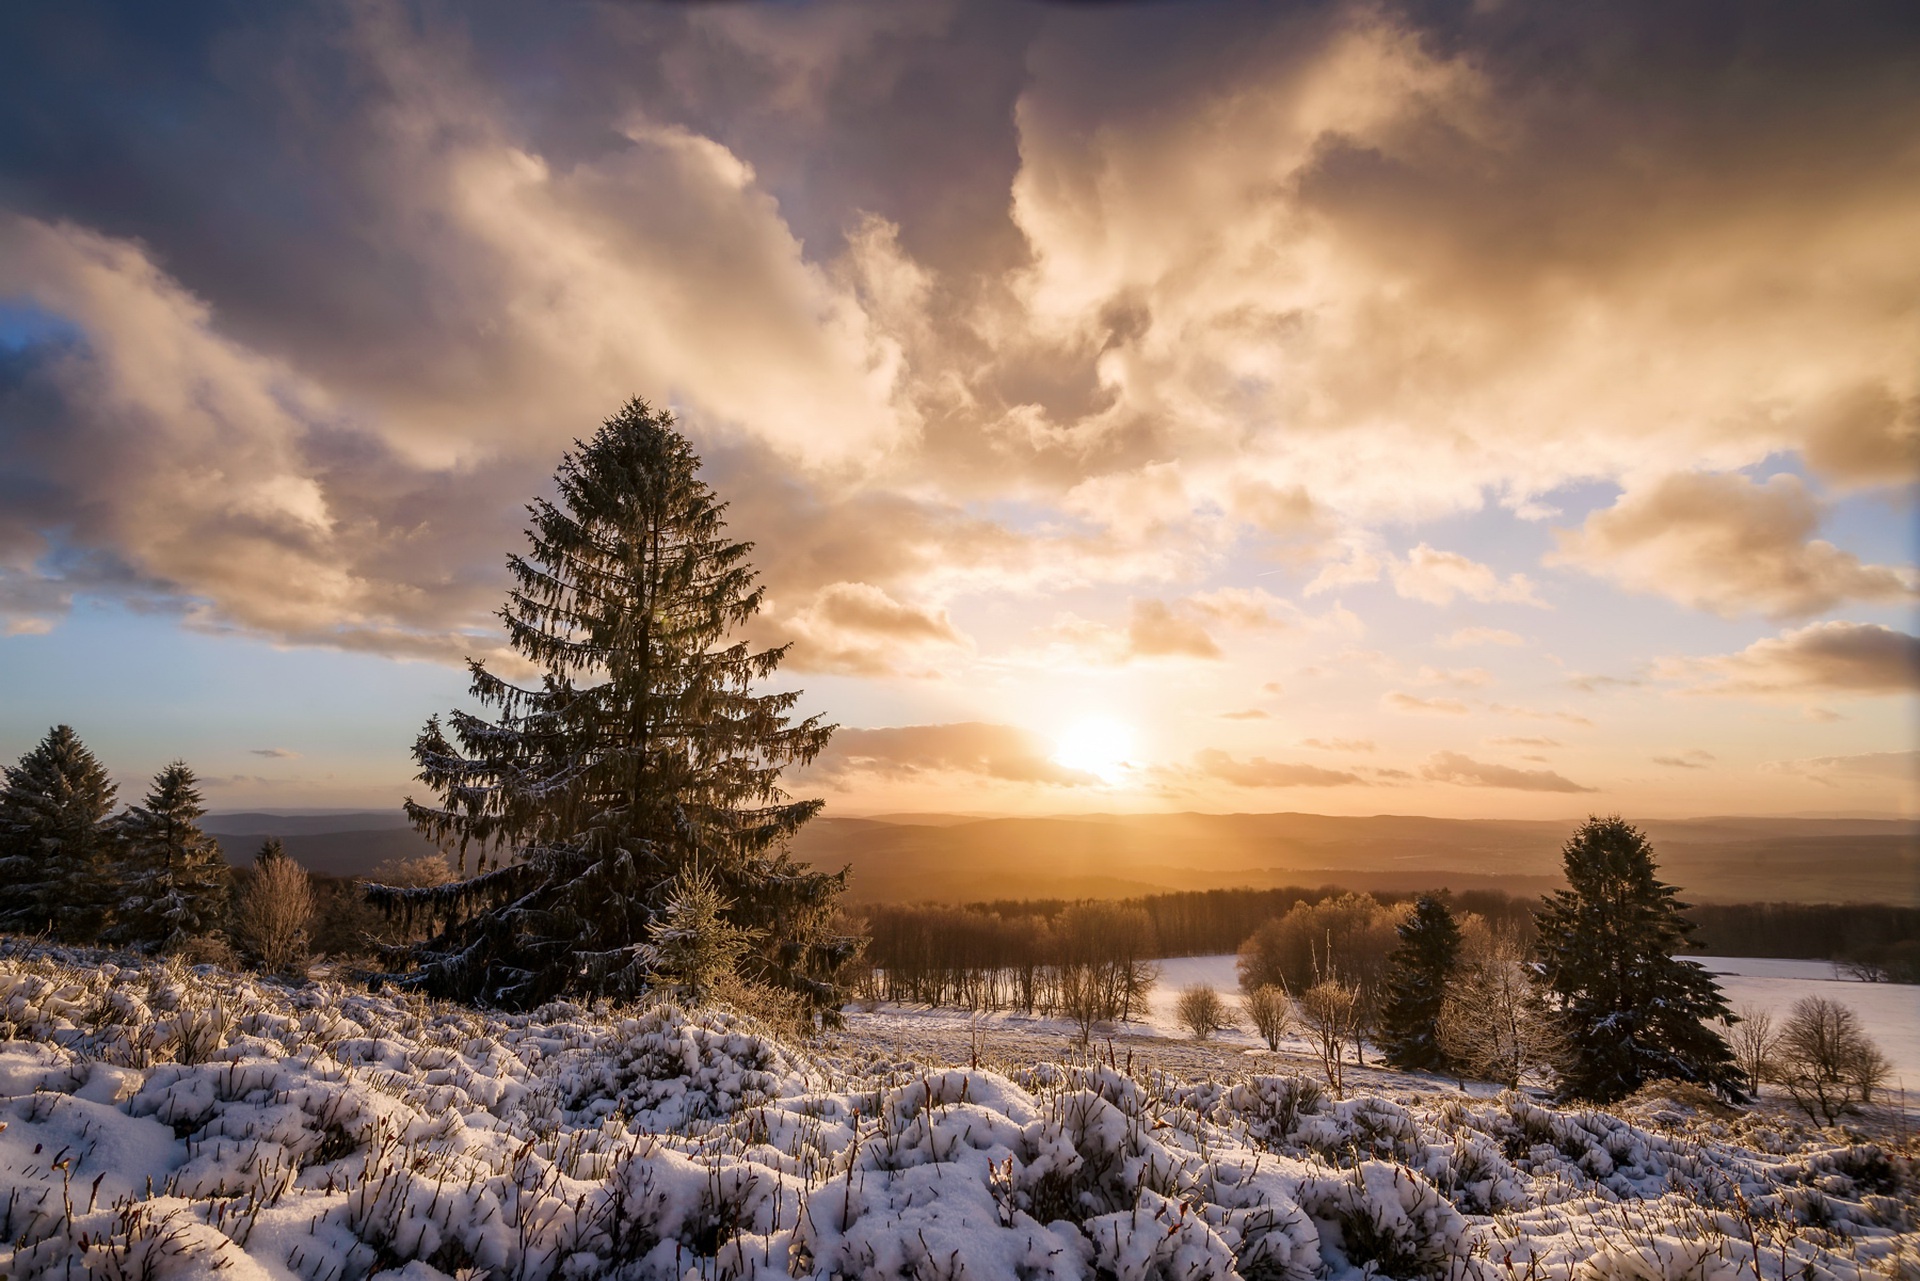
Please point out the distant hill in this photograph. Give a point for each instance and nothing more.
(953, 858)
(348, 843)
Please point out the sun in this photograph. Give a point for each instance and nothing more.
(1097, 745)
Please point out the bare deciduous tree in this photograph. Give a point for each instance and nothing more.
(1755, 1037)
(1330, 1010)
(1270, 1011)
(1826, 1061)
(274, 912)
(1492, 1023)
(1201, 1011)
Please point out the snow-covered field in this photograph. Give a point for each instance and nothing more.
(163, 1123)
(1889, 1011)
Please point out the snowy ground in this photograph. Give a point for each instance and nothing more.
(1890, 1011)
(160, 1122)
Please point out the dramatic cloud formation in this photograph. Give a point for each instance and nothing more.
(1050, 355)
(1452, 767)
(1725, 544)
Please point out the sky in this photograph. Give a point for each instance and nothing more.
(1502, 409)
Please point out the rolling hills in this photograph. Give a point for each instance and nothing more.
(961, 858)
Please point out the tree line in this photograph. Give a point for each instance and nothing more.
(147, 877)
(984, 955)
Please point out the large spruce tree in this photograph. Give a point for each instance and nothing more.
(54, 840)
(1631, 1009)
(640, 752)
(173, 881)
(1417, 976)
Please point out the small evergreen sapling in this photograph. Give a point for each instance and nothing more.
(172, 878)
(1632, 1010)
(55, 841)
(1418, 974)
(691, 947)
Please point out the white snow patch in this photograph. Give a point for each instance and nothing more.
(170, 1123)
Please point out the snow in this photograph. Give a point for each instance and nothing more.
(1889, 1011)
(167, 1122)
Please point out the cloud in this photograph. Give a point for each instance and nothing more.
(1261, 772)
(277, 753)
(1460, 677)
(1901, 766)
(1452, 767)
(1467, 637)
(1695, 759)
(1341, 744)
(1151, 291)
(1862, 659)
(1154, 630)
(858, 629)
(1722, 543)
(1250, 714)
(1400, 701)
(1516, 741)
(1437, 577)
(1535, 714)
(1000, 752)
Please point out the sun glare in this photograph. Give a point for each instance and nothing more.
(1099, 746)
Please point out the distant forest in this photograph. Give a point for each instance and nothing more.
(970, 955)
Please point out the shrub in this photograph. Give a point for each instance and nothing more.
(1270, 1011)
(1201, 1010)
(274, 912)
(1330, 1010)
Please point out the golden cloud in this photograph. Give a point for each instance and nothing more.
(1725, 544)
(1452, 767)
(1863, 659)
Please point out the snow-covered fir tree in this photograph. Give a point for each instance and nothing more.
(1418, 973)
(54, 840)
(641, 749)
(173, 881)
(1630, 1008)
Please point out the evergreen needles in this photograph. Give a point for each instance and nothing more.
(640, 751)
(1632, 1010)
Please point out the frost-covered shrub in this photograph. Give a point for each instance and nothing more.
(330, 1133)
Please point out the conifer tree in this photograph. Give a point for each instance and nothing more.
(1632, 1011)
(1418, 973)
(640, 751)
(54, 840)
(691, 946)
(172, 879)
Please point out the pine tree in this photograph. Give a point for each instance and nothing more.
(1631, 1010)
(173, 880)
(1418, 973)
(640, 751)
(54, 840)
